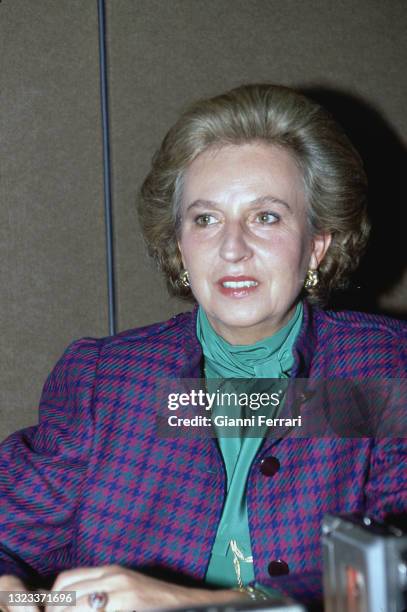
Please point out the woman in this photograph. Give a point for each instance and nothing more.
(255, 208)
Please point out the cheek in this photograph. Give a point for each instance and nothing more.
(185, 246)
(195, 250)
(287, 261)
(286, 251)
(195, 261)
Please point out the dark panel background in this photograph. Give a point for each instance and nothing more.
(53, 282)
(162, 55)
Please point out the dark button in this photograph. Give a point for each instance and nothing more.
(278, 568)
(269, 466)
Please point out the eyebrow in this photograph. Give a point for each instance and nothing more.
(264, 200)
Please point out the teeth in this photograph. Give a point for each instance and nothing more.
(239, 284)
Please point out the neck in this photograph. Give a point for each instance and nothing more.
(250, 334)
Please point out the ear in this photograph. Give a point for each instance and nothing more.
(320, 245)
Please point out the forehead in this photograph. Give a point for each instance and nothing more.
(244, 171)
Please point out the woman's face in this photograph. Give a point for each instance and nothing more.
(245, 240)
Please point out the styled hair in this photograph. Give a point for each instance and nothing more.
(334, 178)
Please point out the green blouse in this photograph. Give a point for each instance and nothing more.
(231, 562)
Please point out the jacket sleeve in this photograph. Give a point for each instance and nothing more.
(42, 470)
(386, 486)
(386, 489)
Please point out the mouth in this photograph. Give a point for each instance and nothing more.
(237, 286)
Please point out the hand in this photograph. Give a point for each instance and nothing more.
(130, 590)
(12, 583)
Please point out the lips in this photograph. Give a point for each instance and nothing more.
(237, 286)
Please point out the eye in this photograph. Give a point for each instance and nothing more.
(205, 219)
(267, 217)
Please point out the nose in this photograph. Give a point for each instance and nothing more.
(234, 246)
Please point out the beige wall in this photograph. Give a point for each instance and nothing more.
(162, 55)
(53, 282)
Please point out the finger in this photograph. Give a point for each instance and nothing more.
(83, 588)
(117, 600)
(10, 583)
(19, 608)
(69, 577)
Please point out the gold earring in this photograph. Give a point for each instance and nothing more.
(183, 280)
(312, 279)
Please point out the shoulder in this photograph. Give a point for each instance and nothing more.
(160, 346)
(162, 333)
(375, 344)
(358, 323)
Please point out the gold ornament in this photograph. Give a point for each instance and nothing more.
(183, 280)
(312, 279)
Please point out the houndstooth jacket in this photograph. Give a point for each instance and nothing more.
(93, 484)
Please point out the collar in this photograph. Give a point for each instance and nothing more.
(267, 358)
(302, 350)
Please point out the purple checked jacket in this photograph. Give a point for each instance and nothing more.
(93, 484)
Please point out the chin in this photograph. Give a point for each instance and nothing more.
(240, 320)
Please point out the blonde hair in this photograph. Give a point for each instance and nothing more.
(334, 178)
